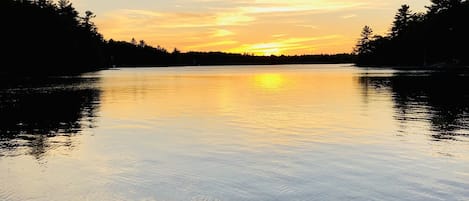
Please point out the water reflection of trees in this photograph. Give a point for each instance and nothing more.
(442, 99)
(38, 115)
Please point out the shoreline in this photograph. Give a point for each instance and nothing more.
(433, 67)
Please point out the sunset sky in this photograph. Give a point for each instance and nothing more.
(261, 27)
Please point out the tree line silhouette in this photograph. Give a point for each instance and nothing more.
(44, 37)
(129, 54)
(437, 37)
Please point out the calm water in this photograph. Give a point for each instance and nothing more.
(260, 133)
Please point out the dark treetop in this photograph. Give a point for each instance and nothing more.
(42, 37)
(437, 38)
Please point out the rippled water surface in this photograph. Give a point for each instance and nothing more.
(291, 132)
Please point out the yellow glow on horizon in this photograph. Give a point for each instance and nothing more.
(267, 49)
(271, 51)
(283, 45)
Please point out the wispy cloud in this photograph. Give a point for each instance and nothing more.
(278, 35)
(308, 26)
(212, 44)
(349, 16)
(256, 26)
(222, 33)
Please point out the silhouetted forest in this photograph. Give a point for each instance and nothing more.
(435, 38)
(128, 56)
(44, 37)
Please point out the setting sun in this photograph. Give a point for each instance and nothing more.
(272, 51)
(262, 49)
(266, 49)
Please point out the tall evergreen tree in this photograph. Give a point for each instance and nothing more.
(363, 45)
(437, 37)
(401, 20)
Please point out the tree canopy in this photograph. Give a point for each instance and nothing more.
(43, 37)
(437, 36)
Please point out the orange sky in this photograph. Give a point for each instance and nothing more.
(262, 27)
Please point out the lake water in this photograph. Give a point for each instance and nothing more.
(234, 133)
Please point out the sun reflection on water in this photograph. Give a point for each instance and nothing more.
(270, 81)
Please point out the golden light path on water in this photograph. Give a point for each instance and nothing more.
(271, 81)
(262, 99)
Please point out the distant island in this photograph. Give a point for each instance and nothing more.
(437, 38)
(43, 37)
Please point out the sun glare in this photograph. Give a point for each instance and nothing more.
(272, 51)
(266, 49)
(261, 49)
